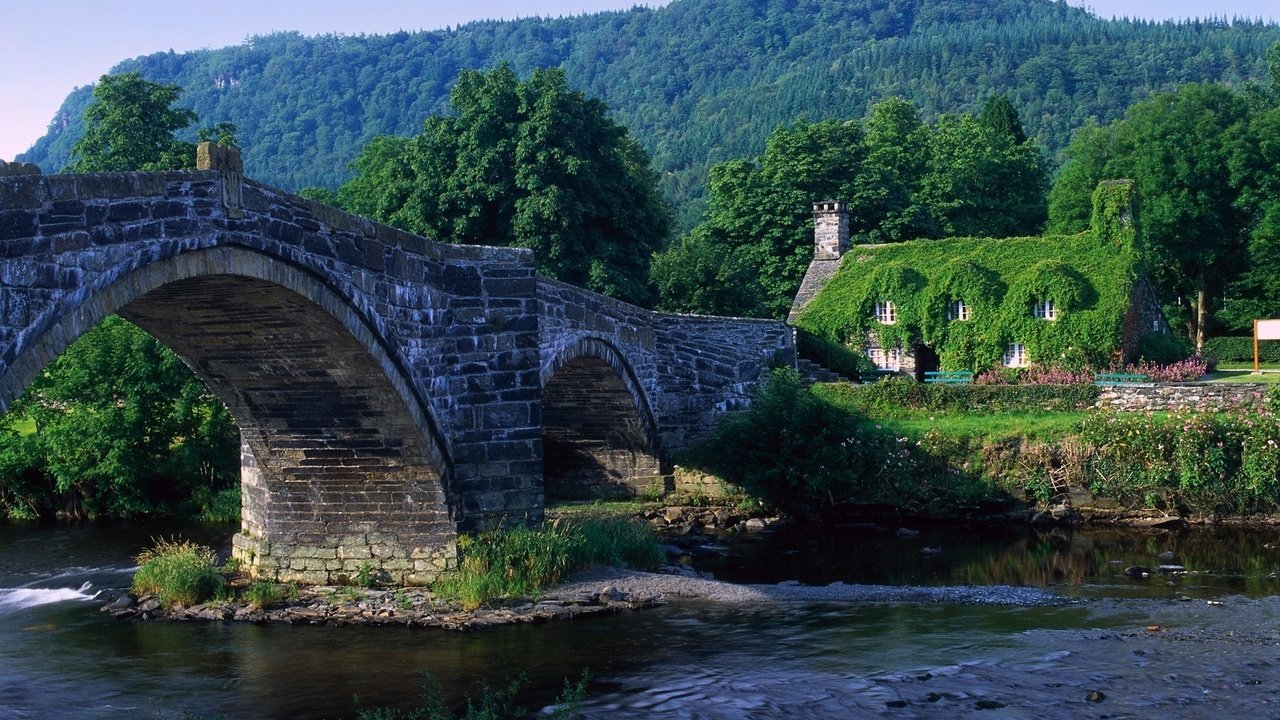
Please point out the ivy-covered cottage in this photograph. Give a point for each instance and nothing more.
(976, 303)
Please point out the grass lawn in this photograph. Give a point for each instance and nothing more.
(1243, 375)
(24, 426)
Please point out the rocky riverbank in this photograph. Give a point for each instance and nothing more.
(689, 532)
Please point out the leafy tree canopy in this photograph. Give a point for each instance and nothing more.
(1204, 160)
(131, 126)
(529, 163)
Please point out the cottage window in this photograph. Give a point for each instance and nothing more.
(1015, 355)
(1044, 310)
(957, 310)
(890, 359)
(886, 313)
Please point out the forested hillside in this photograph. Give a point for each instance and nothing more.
(696, 81)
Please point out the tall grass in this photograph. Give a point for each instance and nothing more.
(521, 562)
(178, 573)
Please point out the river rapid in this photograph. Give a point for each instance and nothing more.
(1006, 623)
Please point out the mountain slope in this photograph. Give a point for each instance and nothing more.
(697, 81)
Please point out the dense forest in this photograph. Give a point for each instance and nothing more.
(696, 81)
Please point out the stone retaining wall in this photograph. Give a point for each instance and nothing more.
(1183, 396)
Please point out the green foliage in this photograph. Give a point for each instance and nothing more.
(521, 561)
(901, 179)
(903, 397)
(123, 428)
(130, 126)
(697, 81)
(179, 574)
(262, 595)
(1200, 157)
(527, 163)
(1003, 277)
(366, 576)
(1200, 461)
(832, 355)
(217, 506)
(1240, 349)
(791, 449)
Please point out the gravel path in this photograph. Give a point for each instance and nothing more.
(634, 585)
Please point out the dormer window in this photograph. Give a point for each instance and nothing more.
(1015, 355)
(957, 311)
(886, 313)
(1044, 310)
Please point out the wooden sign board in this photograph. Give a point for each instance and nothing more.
(1263, 330)
(1267, 329)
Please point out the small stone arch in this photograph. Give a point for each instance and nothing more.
(599, 435)
(343, 463)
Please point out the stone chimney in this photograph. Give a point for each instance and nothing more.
(830, 229)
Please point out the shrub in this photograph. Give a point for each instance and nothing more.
(521, 561)
(1240, 349)
(1191, 368)
(1162, 348)
(262, 595)
(178, 573)
(791, 449)
(898, 397)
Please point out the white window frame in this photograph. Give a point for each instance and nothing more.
(1015, 356)
(886, 313)
(958, 311)
(890, 359)
(1044, 310)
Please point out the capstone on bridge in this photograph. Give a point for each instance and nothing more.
(390, 391)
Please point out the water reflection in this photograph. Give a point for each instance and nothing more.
(1088, 562)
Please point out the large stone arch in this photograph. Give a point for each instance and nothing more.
(599, 435)
(343, 463)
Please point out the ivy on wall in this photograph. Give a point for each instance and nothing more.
(1088, 277)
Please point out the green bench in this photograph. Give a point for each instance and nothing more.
(1118, 378)
(949, 377)
(870, 376)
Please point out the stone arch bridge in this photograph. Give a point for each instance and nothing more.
(390, 391)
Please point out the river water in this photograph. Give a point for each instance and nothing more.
(1094, 643)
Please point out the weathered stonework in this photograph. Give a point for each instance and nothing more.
(389, 389)
(1211, 397)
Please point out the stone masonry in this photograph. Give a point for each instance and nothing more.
(389, 389)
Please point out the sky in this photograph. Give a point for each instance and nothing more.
(53, 46)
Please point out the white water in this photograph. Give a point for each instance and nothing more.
(15, 599)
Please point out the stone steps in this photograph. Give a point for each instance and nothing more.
(813, 372)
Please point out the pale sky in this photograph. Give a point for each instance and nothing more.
(51, 46)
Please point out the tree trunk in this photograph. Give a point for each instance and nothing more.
(1202, 308)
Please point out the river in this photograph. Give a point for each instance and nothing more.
(1099, 644)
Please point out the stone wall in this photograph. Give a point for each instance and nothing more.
(1190, 396)
(682, 371)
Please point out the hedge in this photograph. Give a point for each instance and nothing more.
(1240, 349)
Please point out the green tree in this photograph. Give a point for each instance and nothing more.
(1190, 153)
(131, 126)
(121, 427)
(526, 163)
